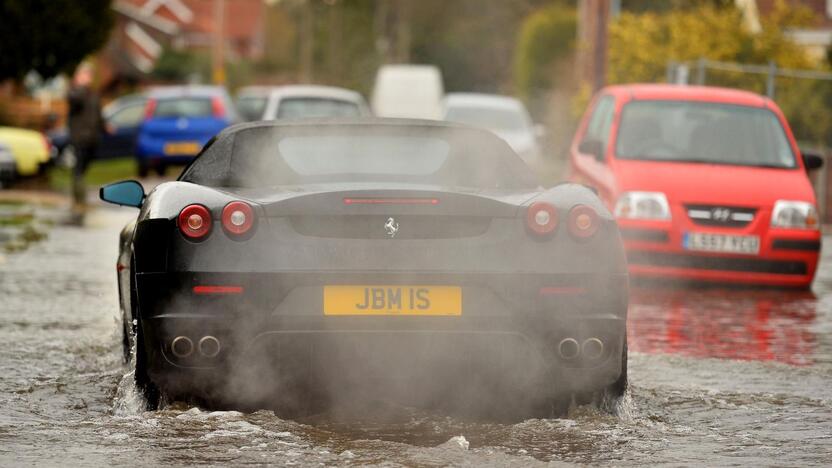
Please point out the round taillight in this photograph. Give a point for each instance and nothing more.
(237, 218)
(583, 222)
(194, 221)
(541, 218)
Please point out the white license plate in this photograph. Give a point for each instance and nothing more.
(707, 242)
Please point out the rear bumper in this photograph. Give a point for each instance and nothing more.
(283, 336)
(153, 148)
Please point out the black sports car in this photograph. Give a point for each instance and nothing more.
(293, 264)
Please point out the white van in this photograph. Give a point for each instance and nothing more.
(408, 91)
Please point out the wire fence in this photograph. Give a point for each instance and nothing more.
(679, 73)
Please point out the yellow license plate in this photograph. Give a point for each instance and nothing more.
(392, 300)
(185, 148)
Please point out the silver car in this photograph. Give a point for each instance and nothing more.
(505, 116)
(299, 102)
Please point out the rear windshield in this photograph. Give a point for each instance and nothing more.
(309, 108)
(684, 131)
(488, 117)
(251, 107)
(298, 155)
(184, 107)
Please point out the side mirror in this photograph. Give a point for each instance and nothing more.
(812, 161)
(125, 193)
(594, 148)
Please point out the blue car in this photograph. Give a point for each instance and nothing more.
(179, 120)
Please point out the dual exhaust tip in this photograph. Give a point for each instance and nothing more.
(591, 348)
(208, 347)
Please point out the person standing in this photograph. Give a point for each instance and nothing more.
(85, 125)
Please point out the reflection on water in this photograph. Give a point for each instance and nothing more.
(728, 324)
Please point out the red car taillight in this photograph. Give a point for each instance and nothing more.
(583, 222)
(541, 218)
(149, 108)
(194, 222)
(237, 218)
(217, 107)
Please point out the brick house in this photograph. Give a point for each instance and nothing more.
(144, 28)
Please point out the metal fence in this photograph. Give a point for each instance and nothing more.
(679, 73)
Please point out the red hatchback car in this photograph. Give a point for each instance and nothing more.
(707, 184)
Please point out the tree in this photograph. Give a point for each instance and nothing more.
(472, 41)
(175, 65)
(641, 45)
(50, 36)
(546, 37)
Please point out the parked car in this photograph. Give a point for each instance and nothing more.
(179, 120)
(383, 257)
(123, 118)
(408, 91)
(299, 102)
(8, 166)
(506, 116)
(30, 148)
(707, 184)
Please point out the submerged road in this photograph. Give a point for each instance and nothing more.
(717, 377)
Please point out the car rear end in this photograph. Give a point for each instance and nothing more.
(294, 102)
(464, 284)
(177, 126)
(31, 149)
(425, 295)
(505, 116)
(251, 103)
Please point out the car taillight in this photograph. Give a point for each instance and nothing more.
(583, 222)
(194, 222)
(237, 218)
(217, 107)
(150, 108)
(542, 218)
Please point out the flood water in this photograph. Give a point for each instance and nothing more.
(718, 377)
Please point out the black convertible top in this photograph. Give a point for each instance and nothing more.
(241, 154)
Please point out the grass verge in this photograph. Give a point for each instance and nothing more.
(99, 173)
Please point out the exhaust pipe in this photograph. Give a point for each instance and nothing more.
(568, 348)
(592, 348)
(209, 346)
(182, 346)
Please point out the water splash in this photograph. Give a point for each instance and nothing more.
(623, 407)
(457, 442)
(129, 400)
